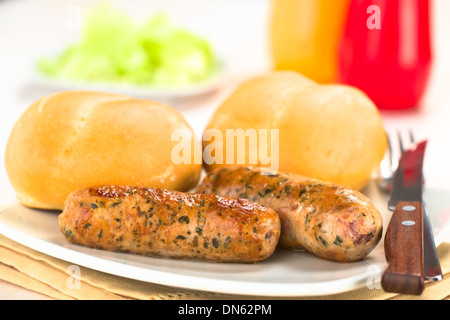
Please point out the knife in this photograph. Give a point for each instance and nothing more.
(432, 267)
(409, 244)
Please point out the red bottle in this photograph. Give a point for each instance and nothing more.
(385, 51)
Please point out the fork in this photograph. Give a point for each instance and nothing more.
(389, 164)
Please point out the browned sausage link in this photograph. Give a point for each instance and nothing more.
(172, 224)
(327, 220)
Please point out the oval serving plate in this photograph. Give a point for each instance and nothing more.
(286, 273)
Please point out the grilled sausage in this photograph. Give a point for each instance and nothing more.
(328, 220)
(159, 222)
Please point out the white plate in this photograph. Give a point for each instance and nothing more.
(147, 91)
(284, 274)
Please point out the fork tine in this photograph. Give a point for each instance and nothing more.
(400, 142)
(397, 144)
(411, 136)
(408, 141)
(385, 169)
(397, 148)
(389, 143)
(403, 143)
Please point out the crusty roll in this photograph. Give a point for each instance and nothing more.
(76, 139)
(328, 132)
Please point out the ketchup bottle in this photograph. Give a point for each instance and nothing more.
(385, 51)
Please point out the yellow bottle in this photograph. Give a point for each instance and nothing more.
(305, 36)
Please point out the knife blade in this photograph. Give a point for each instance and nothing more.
(432, 266)
(408, 178)
(404, 240)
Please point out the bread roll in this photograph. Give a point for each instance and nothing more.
(327, 132)
(71, 140)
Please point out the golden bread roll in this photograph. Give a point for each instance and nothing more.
(327, 132)
(75, 139)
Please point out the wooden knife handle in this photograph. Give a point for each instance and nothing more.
(403, 246)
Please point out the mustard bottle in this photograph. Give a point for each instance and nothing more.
(305, 36)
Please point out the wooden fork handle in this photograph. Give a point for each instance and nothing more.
(403, 246)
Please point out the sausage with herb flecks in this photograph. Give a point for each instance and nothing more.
(330, 221)
(158, 222)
